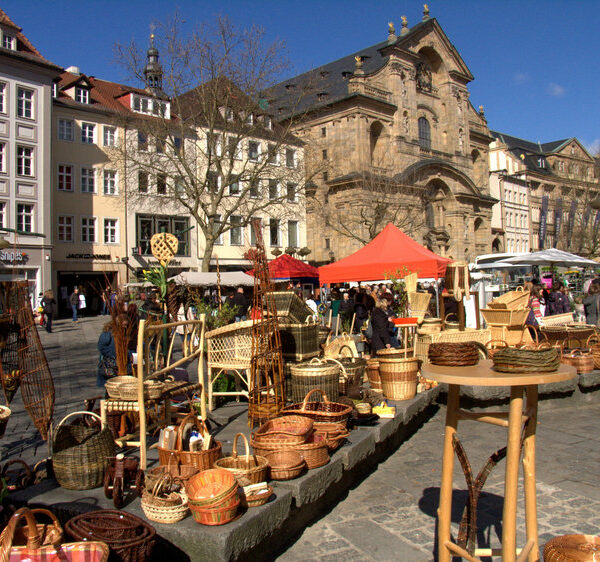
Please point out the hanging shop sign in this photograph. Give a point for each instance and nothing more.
(89, 257)
(13, 256)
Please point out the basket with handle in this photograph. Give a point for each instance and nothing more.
(80, 453)
(315, 373)
(521, 360)
(315, 451)
(256, 499)
(299, 341)
(454, 325)
(171, 509)
(512, 299)
(582, 360)
(285, 430)
(253, 468)
(593, 343)
(494, 345)
(333, 433)
(325, 410)
(399, 377)
(203, 459)
(354, 370)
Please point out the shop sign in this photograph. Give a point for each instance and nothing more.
(88, 256)
(13, 256)
(155, 263)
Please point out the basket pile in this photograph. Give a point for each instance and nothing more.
(454, 354)
(213, 496)
(252, 469)
(289, 430)
(126, 388)
(128, 537)
(515, 360)
(165, 501)
(314, 451)
(321, 411)
(593, 344)
(334, 433)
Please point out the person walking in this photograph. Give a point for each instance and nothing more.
(48, 302)
(241, 304)
(82, 304)
(591, 304)
(74, 302)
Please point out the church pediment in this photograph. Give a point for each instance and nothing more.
(574, 149)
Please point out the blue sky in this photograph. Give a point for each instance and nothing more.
(536, 63)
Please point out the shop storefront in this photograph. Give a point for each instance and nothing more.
(25, 264)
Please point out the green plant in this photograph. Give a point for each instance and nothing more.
(158, 277)
(400, 304)
(215, 318)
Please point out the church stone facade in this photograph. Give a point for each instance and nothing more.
(393, 118)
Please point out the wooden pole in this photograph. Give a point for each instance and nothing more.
(218, 282)
(529, 472)
(330, 317)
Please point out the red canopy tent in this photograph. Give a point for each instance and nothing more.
(287, 267)
(389, 251)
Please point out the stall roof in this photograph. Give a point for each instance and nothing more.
(209, 278)
(286, 267)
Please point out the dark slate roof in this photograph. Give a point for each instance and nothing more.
(515, 143)
(330, 79)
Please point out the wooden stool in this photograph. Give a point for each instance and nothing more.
(483, 375)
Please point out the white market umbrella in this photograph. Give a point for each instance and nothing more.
(552, 256)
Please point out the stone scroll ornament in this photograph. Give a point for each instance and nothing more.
(164, 246)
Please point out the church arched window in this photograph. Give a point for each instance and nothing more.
(424, 133)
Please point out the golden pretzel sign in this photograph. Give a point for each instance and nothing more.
(164, 246)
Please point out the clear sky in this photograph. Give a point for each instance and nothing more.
(536, 63)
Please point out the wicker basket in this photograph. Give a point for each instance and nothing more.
(179, 471)
(514, 360)
(215, 515)
(113, 386)
(256, 500)
(299, 341)
(4, 415)
(315, 451)
(583, 361)
(399, 377)
(418, 303)
(129, 538)
(324, 332)
(454, 354)
(211, 487)
(505, 317)
(288, 304)
(479, 336)
(230, 346)
(202, 460)
(557, 319)
(80, 454)
(593, 344)
(354, 370)
(324, 411)
(373, 374)
(511, 300)
(315, 374)
(253, 469)
(572, 548)
(395, 353)
(494, 345)
(287, 430)
(285, 465)
(333, 433)
(156, 509)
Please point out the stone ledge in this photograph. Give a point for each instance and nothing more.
(589, 381)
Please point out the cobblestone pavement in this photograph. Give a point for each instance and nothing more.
(390, 515)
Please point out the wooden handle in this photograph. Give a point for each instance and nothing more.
(196, 424)
(344, 373)
(305, 401)
(78, 414)
(234, 452)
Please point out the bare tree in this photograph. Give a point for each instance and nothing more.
(580, 231)
(217, 152)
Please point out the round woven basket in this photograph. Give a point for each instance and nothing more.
(399, 377)
(518, 360)
(4, 415)
(285, 430)
(159, 510)
(453, 354)
(210, 487)
(572, 548)
(256, 500)
(315, 451)
(373, 374)
(315, 374)
(285, 465)
(253, 468)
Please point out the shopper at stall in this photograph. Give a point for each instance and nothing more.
(534, 317)
(557, 302)
(380, 337)
(48, 304)
(591, 304)
(241, 304)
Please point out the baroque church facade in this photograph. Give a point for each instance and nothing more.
(391, 135)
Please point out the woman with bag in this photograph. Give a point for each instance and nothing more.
(591, 304)
(535, 317)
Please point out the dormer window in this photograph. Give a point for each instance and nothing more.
(250, 120)
(346, 74)
(82, 95)
(268, 122)
(321, 96)
(229, 114)
(541, 163)
(9, 42)
(148, 106)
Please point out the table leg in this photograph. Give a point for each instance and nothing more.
(529, 472)
(513, 451)
(445, 508)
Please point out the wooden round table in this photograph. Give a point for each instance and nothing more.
(483, 374)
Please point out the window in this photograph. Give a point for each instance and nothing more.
(24, 161)
(273, 155)
(161, 184)
(213, 144)
(87, 133)
(65, 129)
(2, 157)
(212, 182)
(273, 189)
(24, 217)
(2, 97)
(88, 180)
(541, 163)
(293, 234)
(325, 176)
(324, 131)
(3, 222)
(254, 189)
(24, 103)
(290, 158)
(54, 90)
(88, 229)
(233, 148)
(424, 133)
(229, 114)
(274, 232)
(65, 228)
(324, 154)
(65, 177)
(216, 227)
(235, 233)
(110, 134)
(160, 144)
(8, 42)
(327, 244)
(250, 120)
(142, 141)
(177, 145)
(291, 192)
(143, 182)
(110, 182)
(268, 122)
(234, 186)
(253, 221)
(253, 150)
(148, 225)
(111, 232)
(82, 95)
(179, 186)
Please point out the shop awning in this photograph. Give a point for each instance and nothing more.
(209, 279)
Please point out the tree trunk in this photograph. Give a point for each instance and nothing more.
(208, 250)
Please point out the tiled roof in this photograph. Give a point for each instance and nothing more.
(515, 143)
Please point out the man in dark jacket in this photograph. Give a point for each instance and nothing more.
(74, 302)
(241, 303)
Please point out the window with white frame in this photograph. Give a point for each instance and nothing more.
(254, 221)
(254, 189)
(274, 232)
(65, 177)
(179, 186)
(3, 221)
(65, 228)
(82, 95)
(25, 217)
(273, 189)
(8, 41)
(65, 129)
(214, 144)
(143, 182)
(177, 145)
(88, 229)
(161, 184)
(24, 161)
(250, 119)
(291, 189)
(54, 90)
(2, 157)
(216, 227)
(24, 103)
(142, 141)
(235, 233)
(87, 133)
(290, 157)
(3, 91)
(212, 181)
(111, 231)
(292, 233)
(161, 143)
(150, 107)
(253, 150)
(268, 122)
(88, 180)
(273, 154)
(234, 186)
(110, 136)
(234, 148)
(110, 182)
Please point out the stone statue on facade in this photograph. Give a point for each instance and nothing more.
(424, 79)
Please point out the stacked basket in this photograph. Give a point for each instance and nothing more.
(398, 374)
(213, 496)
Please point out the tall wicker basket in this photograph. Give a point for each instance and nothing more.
(315, 374)
(399, 377)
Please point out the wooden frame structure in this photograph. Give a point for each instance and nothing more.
(155, 362)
